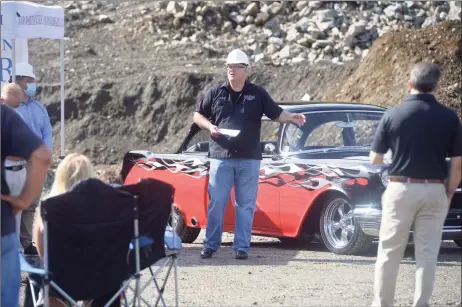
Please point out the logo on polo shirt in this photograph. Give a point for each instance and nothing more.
(249, 97)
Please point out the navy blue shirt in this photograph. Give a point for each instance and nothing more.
(20, 141)
(242, 111)
(421, 134)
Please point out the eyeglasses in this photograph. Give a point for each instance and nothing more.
(236, 66)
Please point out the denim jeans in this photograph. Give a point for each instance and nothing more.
(11, 272)
(243, 173)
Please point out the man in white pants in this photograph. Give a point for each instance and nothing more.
(36, 117)
(421, 134)
(15, 167)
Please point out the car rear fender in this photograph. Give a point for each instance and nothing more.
(310, 222)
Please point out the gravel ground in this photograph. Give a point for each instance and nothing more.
(278, 275)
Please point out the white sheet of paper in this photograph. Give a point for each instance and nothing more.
(230, 132)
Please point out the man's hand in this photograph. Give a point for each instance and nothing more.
(287, 117)
(297, 118)
(16, 203)
(214, 131)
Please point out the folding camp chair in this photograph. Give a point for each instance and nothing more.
(172, 243)
(98, 238)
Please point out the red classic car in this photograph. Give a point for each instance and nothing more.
(314, 179)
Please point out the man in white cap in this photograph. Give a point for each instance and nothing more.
(236, 104)
(36, 116)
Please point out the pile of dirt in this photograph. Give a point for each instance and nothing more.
(382, 78)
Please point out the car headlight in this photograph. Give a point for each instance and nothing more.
(385, 177)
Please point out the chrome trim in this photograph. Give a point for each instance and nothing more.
(459, 190)
(285, 125)
(369, 219)
(449, 229)
(452, 230)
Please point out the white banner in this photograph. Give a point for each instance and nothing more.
(22, 55)
(31, 20)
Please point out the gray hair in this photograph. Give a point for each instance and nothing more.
(425, 77)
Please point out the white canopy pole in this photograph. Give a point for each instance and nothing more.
(61, 42)
(13, 59)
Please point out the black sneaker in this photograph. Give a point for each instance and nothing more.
(207, 253)
(241, 255)
(31, 250)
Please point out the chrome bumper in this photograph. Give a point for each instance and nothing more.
(369, 219)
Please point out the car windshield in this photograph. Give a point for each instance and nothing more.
(329, 130)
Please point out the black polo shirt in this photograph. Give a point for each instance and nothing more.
(242, 111)
(20, 141)
(421, 133)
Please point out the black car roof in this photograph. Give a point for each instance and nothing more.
(313, 106)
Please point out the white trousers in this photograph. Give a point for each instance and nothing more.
(406, 206)
(16, 181)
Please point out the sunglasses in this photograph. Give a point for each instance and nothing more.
(236, 66)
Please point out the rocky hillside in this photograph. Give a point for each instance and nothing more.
(135, 69)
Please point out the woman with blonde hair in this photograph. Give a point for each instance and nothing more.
(73, 169)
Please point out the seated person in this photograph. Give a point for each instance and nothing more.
(73, 169)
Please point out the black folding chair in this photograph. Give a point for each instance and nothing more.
(92, 238)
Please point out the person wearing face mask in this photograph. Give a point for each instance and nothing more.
(36, 117)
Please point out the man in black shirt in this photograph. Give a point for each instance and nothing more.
(17, 140)
(421, 133)
(236, 105)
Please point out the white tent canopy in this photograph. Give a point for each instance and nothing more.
(23, 20)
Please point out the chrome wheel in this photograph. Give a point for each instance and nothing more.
(338, 223)
(174, 218)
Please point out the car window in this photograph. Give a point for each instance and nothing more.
(327, 134)
(291, 139)
(331, 129)
(365, 132)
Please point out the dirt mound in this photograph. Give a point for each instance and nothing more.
(382, 78)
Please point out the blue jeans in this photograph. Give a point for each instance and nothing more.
(223, 174)
(11, 272)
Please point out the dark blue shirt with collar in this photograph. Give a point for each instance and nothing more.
(17, 140)
(242, 111)
(421, 134)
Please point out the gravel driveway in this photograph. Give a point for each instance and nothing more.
(279, 275)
